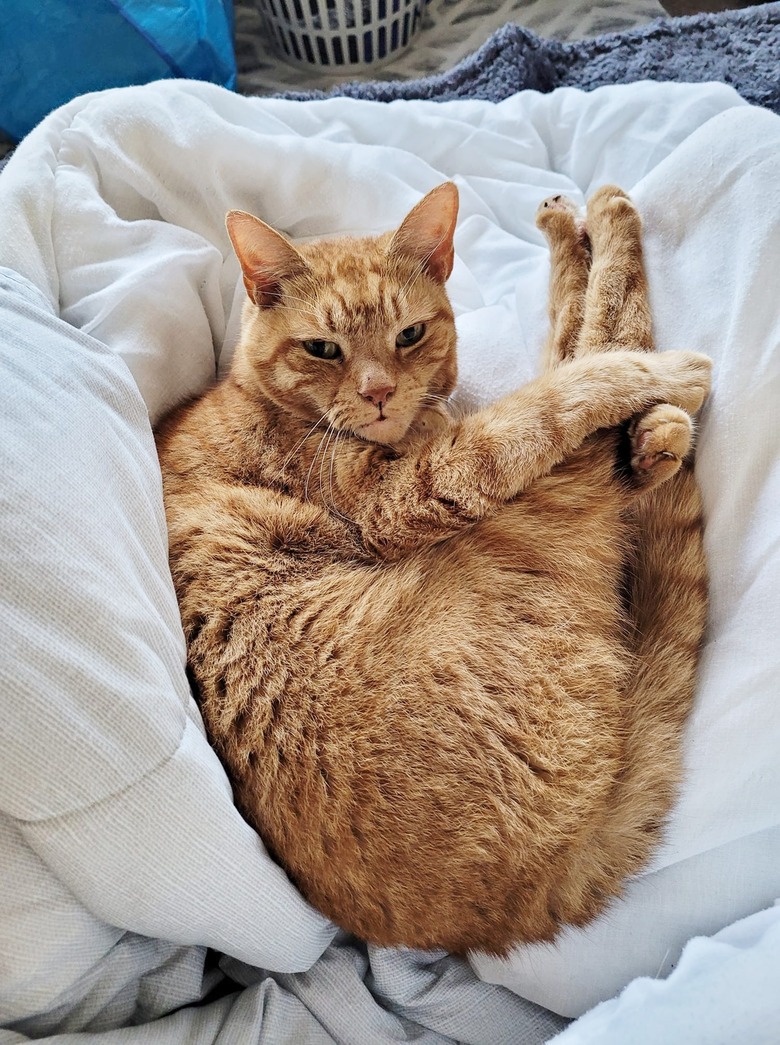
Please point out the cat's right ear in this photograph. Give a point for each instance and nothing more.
(266, 257)
(425, 235)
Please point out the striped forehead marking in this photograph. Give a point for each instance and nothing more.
(357, 296)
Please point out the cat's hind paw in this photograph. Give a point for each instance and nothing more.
(660, 440)
(610, 197)
(610, 206)
(559, 216)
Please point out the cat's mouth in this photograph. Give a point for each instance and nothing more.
(382, 429)
(392, 429)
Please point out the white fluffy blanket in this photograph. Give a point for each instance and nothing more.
(114, 209)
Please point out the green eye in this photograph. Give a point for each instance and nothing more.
(322, 349)
(410, 336)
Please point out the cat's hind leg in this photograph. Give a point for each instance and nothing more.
(617, 316)
(617, 309)
(665, 579)
(564, 228)
(598, 302)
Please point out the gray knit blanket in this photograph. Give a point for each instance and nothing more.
(740, 48)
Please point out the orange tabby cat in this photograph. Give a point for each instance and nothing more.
(447, 706)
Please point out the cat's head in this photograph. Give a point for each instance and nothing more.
(358, 333)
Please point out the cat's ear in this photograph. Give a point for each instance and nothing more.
(426, 233)
(266, 257)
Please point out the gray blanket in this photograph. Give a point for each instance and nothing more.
(740, 48)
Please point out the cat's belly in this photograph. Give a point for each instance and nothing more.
(498, 608)
(461, 704)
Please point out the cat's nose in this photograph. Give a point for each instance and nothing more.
(377, 394)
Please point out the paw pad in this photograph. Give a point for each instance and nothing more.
(560, 213)
(660, 440)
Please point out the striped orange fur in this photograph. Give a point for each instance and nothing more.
(446, 661)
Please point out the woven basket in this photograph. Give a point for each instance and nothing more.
(342, 34)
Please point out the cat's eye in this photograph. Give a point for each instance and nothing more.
(322, 349)
(410, 336)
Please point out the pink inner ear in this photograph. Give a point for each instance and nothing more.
(265, 256)
(262, 290)
(426, 233)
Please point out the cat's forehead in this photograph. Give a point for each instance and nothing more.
(348, 260)
(358, 282)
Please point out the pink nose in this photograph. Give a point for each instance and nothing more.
(378, 394)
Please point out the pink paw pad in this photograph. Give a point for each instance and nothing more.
(557, 208)
(660, 439)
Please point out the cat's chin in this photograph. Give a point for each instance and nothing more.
(386, 430)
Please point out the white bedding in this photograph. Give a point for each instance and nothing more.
(114, 209)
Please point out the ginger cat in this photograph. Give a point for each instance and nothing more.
(445, 661)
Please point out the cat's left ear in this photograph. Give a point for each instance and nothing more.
(266, 257)
(427, 231)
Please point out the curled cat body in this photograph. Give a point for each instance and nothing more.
(446, 660)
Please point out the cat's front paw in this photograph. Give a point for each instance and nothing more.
(687, 378)
(660, 439)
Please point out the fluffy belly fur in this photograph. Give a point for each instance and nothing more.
(421, 744)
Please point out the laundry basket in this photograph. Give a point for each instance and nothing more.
(351, 34)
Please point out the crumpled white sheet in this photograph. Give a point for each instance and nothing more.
(114, 208)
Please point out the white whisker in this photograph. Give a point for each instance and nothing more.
(303, 312)
(311, 467)
(330, 433)
(300, 443)
(306, 311)
(334, 509)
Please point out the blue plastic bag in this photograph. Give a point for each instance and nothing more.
(53, 50)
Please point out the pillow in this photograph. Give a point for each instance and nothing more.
(106, 774)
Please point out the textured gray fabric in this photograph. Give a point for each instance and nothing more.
(740, 48)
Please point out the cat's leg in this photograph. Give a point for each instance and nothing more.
(616, 316)
(665, 582)
(564, 228)
(617, 307)
(617, 313)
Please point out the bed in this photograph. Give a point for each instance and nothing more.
(137, 905)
